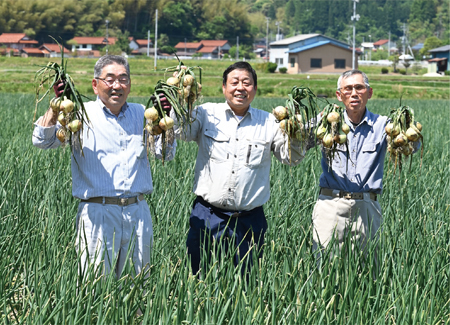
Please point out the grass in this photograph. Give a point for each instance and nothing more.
(38, 269)
(20, 75)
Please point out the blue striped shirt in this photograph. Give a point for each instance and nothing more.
(114, 159)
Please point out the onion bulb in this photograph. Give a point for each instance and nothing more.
(345, 128)
(388, 128)
(66, 106)
(280, 113)
(411, 134)
(400, 140)
(62, 119)
(166, 123)
(151, 114)
(61, 134)
(172, 81)
(188, 80)
(327, 140)
(55, 103)
(333, 117)
(74, 126)
(418, 126)
(320, 132)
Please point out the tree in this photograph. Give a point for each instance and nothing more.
(430, 43)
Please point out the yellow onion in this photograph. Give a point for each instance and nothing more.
(418, 126)
(280, 113)
(186, 92)
(199, 87)
(188, 80)
(62, 119)
(327, 140)
(74, 126)
(55, 103)
(320, 132)
(66, 106)
(395, 130)
(345, 128)
(400, 140)
(407, 150)
(166, 123)
(153, 129)
(172, 81)
(388, 128)
(61, 134)
(192, 97)
(151, 114)
(412, 135)
(333, 117)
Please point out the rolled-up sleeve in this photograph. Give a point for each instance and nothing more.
(45, 137)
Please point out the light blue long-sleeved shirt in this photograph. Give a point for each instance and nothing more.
(114, 161)
(362, 169)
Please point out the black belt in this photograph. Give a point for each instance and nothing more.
(115, 200)
(346, 195)
(233, 214)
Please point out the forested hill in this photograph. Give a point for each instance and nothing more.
(191, 20)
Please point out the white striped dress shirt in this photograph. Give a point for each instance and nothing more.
(114, 161)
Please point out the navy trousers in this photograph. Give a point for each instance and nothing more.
(216, 229)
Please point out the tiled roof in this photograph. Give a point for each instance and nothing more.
(214, 42)
(142, 42)
(93, 40)
(188, 45)
(207, 49)
(53, 48)
(16, 38)
(32, 50)
(380, 42)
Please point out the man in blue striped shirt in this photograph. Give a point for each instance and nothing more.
(111, 173)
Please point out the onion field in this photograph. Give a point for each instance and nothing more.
(39, 281)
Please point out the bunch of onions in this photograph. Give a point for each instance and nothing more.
(332, 130)
(69, 107)
(301, 107)
(401, 132)
(182, 89)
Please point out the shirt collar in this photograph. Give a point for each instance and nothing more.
(249, 111)
(107, 110)
(368, 118)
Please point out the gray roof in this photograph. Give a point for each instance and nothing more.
(444, 48)
(293, 39)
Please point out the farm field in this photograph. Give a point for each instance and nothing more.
(38, 270)
(19, 72)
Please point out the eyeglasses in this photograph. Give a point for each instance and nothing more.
(347, 90)
(122, 80)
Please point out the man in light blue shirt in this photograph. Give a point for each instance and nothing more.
(111, 172)
(348, 204)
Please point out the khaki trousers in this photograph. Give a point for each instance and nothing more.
(340, 217)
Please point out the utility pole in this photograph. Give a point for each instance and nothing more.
(237, 48)
(278, 23)
(389, 45)
(148, 43)
(267, 39)
(185, 47)
(107, 41)
(156, 36)
(355, 17)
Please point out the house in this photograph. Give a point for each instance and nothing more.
(311, 53)
(210, 49)
(440, 59)
(139, 46)
(53, 50)
(12, 43)
(87, 45)
(31, 52)
(382, 44)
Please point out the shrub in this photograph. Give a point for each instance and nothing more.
(401, 71)
(282, 70)
(384, 70)
(271, 67)
(447, 72)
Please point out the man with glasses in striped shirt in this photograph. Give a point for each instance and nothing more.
(110, 171)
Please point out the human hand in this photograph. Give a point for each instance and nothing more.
(163, 101)
(58, 88)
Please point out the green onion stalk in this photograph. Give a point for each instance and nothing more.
(182, 90)
(72, 113)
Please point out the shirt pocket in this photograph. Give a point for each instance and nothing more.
(340, 157)
(255, 151)
(369, 152)
(217, 144)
